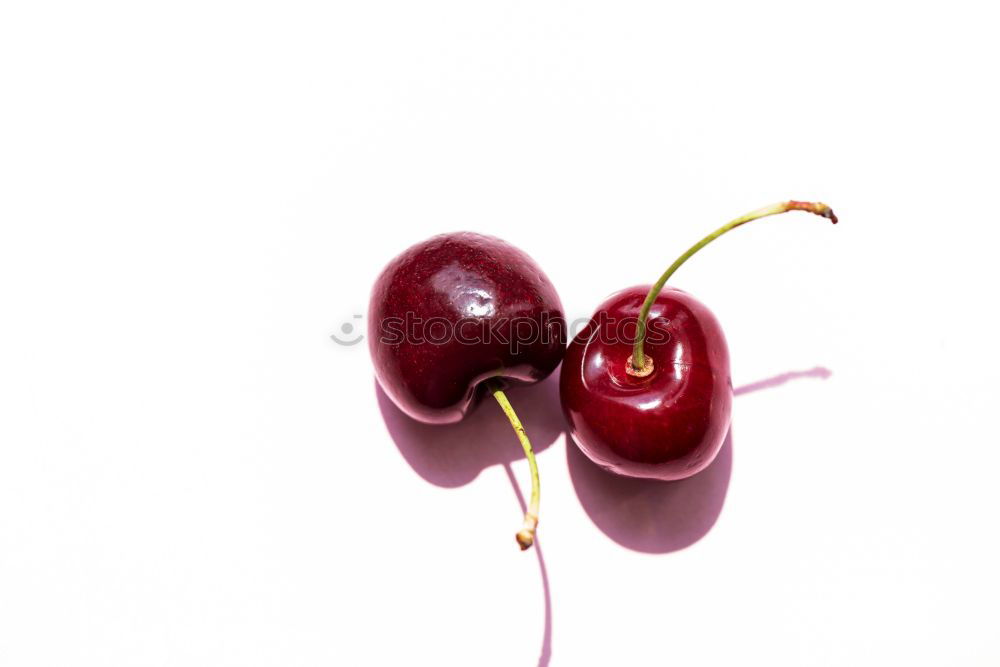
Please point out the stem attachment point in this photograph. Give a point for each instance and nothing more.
(645, 371)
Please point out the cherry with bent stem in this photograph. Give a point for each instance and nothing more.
(656, 408)
(470, 293)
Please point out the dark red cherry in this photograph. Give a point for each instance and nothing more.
(459, 316)
(667, 425)
(455, 310)
(654, 399)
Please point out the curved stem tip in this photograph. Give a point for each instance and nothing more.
(638, 363)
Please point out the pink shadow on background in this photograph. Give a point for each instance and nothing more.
(653, 516)
(546, 653)
(644, 515)
(819, 372)
(650, 515)
(453, 455)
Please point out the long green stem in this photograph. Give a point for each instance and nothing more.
(640, 363)
(526, 536)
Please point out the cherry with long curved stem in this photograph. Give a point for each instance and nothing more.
(526, 536)
(638, 364)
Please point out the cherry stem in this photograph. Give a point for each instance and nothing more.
(639, 363)
(526, 536)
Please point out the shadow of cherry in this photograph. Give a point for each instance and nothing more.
(652, 516)
(453, 455)
(770, 383)
(643, 515)
(545, 654)
(649, 515)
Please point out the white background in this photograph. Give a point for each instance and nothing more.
(195, 195)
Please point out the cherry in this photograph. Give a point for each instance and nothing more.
(655, 400)
(459, 316)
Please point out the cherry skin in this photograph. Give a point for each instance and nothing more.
(454, 311)
(667, 425)
(459, 316)
(656, 402)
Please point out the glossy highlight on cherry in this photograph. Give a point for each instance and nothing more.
(656, 409)
(668, 424)
(460, 316)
